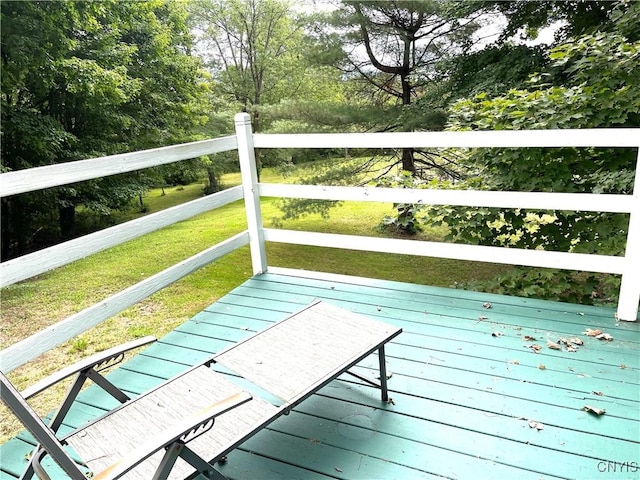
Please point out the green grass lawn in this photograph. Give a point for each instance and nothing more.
(34, 304)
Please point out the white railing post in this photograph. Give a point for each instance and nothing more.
(629, 296)
(249, 172)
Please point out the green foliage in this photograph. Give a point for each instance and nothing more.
(252, 49)
(86, 79)
(591, 82)
(551, 284)
(577, 17)
(492, 71)
(405, 219)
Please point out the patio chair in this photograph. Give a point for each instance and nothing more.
(168, 432)
(160, 422)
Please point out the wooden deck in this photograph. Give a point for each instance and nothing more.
(472, 398)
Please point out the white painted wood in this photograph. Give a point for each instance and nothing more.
(629, 296)
(52, 336)
(472, 198)
(21, 181)
(47, 259)
(596, 137)
(511, 256)
(246, 154)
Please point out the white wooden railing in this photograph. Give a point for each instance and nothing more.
(251, 190)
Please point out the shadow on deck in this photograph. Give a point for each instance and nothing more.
(473, 397)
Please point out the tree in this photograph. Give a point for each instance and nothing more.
(251, 50)
(83, 79)
(591, 82)
(574, 17)
(403, 44)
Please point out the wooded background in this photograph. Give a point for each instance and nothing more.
(88, 79)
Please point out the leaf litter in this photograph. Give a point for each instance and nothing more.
(568, 344)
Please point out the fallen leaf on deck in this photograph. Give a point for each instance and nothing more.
(537, 425)
(553, 346)
(338, 469)
(600, 394)
(592, 333)
(514, 362)
(497, 334)
(486, 305)
(576, 341)
(542, 367)
(623, 366)
(572, 348)
(482, 317)
(535, 347)
(604, 336)
(529, 338)
(594, 410)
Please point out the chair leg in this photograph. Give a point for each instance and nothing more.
(383, 374)
(179, 449)
(29, 471)
(35, 466)
(168, 460)
(205, 468)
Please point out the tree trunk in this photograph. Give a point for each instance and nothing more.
(14, 227)
(408, 162)
(214, 183)
(5, 237)
(67, 218)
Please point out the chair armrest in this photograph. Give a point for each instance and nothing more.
(85, 364)
(176, 432)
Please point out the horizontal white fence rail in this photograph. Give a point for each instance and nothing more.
(56, 256)
(245, 141)
(585, 202)
(627, 266)
(477, 253)
(589, 137)
(29, 180)
(26, 350)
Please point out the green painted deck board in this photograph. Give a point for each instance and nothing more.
(462, 397)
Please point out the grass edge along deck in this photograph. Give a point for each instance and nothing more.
(471, 398)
